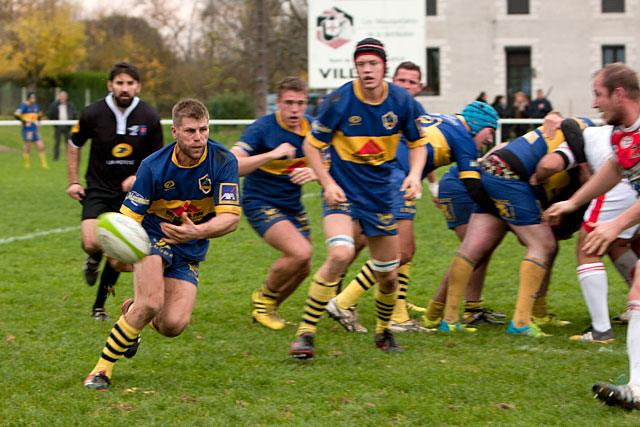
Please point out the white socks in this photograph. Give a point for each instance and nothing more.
(593, 281)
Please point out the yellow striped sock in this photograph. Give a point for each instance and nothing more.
(364, 280)
(320, 293)
(43, 161)
(25, 157)
(400, 313)
(532, 272)
(384, 308)
(121, 337)
(539, 307)
(461, 269)
(434, 311)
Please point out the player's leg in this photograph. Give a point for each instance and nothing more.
(541, 245)
(285, 274)
(149, 292)
(25, 153)
(41, 155)
(384, 250)
(407, 243)
(179, 299)
(483, 233)
(58, 133)
(338, 230)
(91, 266)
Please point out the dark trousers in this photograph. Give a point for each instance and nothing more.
(59, 131)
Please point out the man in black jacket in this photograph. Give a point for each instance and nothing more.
(61, 109)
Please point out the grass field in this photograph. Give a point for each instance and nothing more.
(224, 370)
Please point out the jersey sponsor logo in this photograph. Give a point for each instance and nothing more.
(355, 120)
(229, 194)
(423, 122)
(296, 165)
(175, 214)
(389, 120)
(137, 198)
(369, 152)
(334, 27)
(626, 142)
(169, 185)
(205, 184)
(136, 130)
(122, 150)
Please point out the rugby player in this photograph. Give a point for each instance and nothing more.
(29, 114)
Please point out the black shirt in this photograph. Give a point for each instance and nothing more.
(119, 141)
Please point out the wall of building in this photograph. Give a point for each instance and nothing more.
(565, 38)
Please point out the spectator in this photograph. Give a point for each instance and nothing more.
(520, 110)
(540, 106)
(61, 109)
(482, 97)
(500, 105)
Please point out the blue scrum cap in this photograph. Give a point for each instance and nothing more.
(480, 115)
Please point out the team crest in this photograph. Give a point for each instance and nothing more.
(626, 142)
(334, 27)
(385, 218)
(389, 120)
(205, 184)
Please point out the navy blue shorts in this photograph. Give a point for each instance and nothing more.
(263, 217)
(373, 223)
(516, 201)
(455, 202)
(30, 134)
(402, 209)
(177, 267)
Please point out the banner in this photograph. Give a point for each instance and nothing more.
(336, 26)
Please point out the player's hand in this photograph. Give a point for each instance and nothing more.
(119, 266)
(334, 195)
(301, 176)
(184, 232)
(553, 215)
(598, 241)
(284, 150)
(128, 183)
(411, 187)
(550, 125)
(76, 191)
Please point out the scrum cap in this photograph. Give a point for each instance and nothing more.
(480, 115)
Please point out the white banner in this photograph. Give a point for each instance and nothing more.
(336, 26)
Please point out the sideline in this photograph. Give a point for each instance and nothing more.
(38, 234)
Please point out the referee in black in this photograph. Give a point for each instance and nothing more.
(123, 131)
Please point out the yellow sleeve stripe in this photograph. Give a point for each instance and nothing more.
(316, 142)
(417, 143)
(237, 210)
(469, 174)
(131, 214)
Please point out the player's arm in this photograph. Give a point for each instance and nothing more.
(604, 233)
(412, 184)
(604, 180)
(333, 194)
(79, 136)
(549, 165)
(18, 115)
(434, 186)
(217, 226)
(248, 163)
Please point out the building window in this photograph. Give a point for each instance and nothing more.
(612, 54)
(518, 7)
(433, 72)
(432, 8)
(612, 6)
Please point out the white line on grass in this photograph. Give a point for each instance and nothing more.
(38, 234)
(304, 196)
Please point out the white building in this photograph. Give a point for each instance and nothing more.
(504, 46)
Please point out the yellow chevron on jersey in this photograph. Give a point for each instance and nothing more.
(441, 149)
(557, 182)
(370, 150)
(29, 117)
(284, 166)
(171, 210)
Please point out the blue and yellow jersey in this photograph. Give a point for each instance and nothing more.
(362, 139)
(28, 113)
(448, 141)
(529, 148)
(164, 190)
(271, 182)
(402, 153)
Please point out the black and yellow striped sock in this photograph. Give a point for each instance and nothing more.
(363, 281)
(320, 293)
(384, 308)
(269, 294)
(400, 313)
(121, 337)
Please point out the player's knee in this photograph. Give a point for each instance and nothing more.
(340, 255)
(303, 255)
(387, 281)
(148, 309)
(90, 246)
(406, 254)
(173, 328)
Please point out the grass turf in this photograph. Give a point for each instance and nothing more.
(225, 370)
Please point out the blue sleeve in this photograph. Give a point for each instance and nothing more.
(328, 118)
(139, 198)
(226, 190)
(465, 154)
(252, 140)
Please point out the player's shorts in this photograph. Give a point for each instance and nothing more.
(30, 134)
(515, 200)
(372, 223)
(263, 217)
(455, 202)
(99, 200)
(176, 266)
(610, 206)
(402, 209)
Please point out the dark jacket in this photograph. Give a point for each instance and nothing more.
(52, 112)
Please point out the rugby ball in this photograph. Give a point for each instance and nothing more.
(122, 238)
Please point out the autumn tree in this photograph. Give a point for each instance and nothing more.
(41, 41)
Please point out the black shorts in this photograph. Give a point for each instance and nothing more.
(99, 200)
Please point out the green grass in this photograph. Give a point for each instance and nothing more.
(224, 370)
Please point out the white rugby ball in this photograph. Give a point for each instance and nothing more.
(122, 238)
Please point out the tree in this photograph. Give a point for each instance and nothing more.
(42, 41)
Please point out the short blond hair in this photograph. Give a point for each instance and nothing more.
(189, 108)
